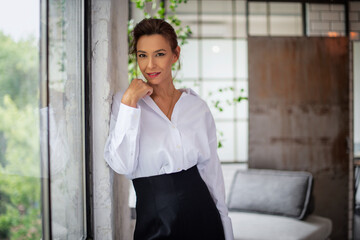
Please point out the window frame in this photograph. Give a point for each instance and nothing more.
(87, 182)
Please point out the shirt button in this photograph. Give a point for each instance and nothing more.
(178, 146)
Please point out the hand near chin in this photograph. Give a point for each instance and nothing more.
(136, 90)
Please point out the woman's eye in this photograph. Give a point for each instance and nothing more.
(160, 54)
(142, 55)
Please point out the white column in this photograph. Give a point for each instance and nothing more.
(109, 74)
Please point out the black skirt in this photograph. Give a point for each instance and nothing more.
(176, 206)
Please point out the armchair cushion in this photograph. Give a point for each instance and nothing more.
(276, 192)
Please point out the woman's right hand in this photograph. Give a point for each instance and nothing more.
(136, 90)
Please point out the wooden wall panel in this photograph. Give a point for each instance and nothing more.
(299, 115)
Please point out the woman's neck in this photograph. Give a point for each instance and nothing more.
(163, 91)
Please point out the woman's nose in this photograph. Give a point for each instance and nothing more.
(151, 63)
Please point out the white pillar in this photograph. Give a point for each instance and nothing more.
(109, 74)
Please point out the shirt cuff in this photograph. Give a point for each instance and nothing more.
(128, 119)
(228, 230)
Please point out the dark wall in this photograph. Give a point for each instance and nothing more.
(299, 115)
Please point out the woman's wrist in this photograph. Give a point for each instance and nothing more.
(127, 100)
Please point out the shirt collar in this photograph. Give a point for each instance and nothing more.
(188, 91)
(147, 99)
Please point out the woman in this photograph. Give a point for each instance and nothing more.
(164, 139)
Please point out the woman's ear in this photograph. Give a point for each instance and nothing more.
(176, 55)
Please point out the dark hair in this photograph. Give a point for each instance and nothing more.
(150, 26)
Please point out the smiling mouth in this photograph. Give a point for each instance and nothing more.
(154, 74)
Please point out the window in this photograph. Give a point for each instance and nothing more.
(275, 19)
(325, 20)
(63, 113)
(20, 179)
(42, 139)
(354, 20)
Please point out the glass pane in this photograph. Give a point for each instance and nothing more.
(189, 59)
(241, 59)
(216, 19)
(190, 7)
(242, 107)
(226, 138)
(66, 119)
(219, 96)
(219, 26)
(285, 19)
(325, 19)
(256, 8)
(292, 9)
(257, 19)
(242, 141)
(188, 14)
(20, 175)
(240, 18)
(136, 14)
(242, 88)
(286, 25)
(217, 59)
(354, 19)
(193, 84)
(242, 110)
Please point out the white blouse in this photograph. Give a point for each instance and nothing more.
(167, 146)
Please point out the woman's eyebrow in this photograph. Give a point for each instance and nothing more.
(154, 51)
(160, 50)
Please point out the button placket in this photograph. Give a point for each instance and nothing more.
(178, 154)
(177, 137)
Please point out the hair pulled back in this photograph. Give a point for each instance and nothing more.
(150, 26)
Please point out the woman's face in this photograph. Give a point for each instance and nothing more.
(155, 57)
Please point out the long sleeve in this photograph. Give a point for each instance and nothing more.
(121, 147)
(212, 175)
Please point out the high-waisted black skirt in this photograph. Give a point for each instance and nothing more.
(176, 206)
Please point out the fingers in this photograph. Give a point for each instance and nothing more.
(140, 88)
(150, 91)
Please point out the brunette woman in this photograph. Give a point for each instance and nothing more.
(164, 140)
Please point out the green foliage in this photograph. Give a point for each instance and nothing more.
(20, 214)
(20, 129)
(19, 182)
(219, 104)
(22, 219)
(19, 69)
